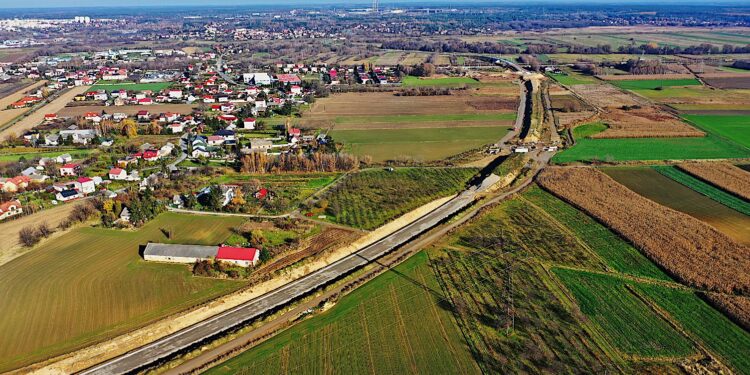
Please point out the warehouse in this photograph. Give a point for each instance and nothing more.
(159, 252)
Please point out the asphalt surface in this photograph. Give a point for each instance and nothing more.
(163, 348)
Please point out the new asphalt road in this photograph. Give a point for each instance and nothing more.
(160, 349)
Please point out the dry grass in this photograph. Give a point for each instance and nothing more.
(604, 96)
(37, 116)
(690, 250)
(723, 175)
(648, 122)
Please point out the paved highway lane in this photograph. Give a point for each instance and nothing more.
(163, 348)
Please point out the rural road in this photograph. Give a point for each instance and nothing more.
(149, 354)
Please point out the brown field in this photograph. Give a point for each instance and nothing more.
(644, 77)
(376, 110)
(736, 307)
(37, 117)
(7, 115)
(604, 95)
(722, 175)
(650, 122)
(693, 252)
(127, 109)
(729, 82)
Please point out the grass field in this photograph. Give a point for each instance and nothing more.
(76, 154)
(370, 198)
(410, 81)
(156, 86)
(654, 84)
(617, 253)
(663, 190)
(734, 128)
(394, 324)
(721, 196)
(572, 78)
(416, 144)
(709, 326)
(587, 130)
(372, 122)
(612, 307)
(91, 284)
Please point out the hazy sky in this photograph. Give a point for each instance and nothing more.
(130, 3)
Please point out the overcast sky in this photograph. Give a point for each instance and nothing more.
(129, 3)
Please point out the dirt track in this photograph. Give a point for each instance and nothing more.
(37, 116)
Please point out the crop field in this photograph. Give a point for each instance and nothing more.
(130, 86)
(709, 326)
(729, 200)
(672, 239)
(396, 323)
(626, 149)
(654, 84)
(410, 81)
(572, 78)
(734, 128)
(91, 284)
(606, 96)
(612, 307)
(416, 144)
(722, 175)
(371, 198)
(645, 122)
(658, 188)
(699, 98)
(424, 121)
(37, 117)
(290, 189)
(618, 254)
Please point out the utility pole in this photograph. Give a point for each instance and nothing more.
(374, 6)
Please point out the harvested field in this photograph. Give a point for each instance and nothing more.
(729, 82)
(655, 84)
(722, 175)
(91, 284)
(690, 250)
(604, 96)
(700, 97)
(130, 110)
(410, 81)
(646, 77)
(665, 191)
(37, 117)
(649, 122)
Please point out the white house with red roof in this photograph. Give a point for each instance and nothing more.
(296, 90)
(118, 174)
(85, 185)
(70, 169)
(145, 101)
(248, 123)
(175, 94)
(241, 256)
(10, 208)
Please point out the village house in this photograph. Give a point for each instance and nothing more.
(85, 185)
(118, 174)
(14, 184)
(70, 169)
(248, 123)
(10, 208)
(67, 195)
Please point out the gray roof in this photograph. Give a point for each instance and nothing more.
(188, 251)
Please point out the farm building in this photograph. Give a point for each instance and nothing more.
(169, 253)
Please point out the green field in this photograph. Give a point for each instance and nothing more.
(91, 284)
(709, 326)
(613, 307)
(76, 154)
(394, 324)
(410, 81)
(734, 128)
(708, 190)
(618, 254)
(654, 84)
(370, 198)
(416, 144)
(155, 87)
(712, 146)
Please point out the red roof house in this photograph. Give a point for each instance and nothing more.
(241, 256)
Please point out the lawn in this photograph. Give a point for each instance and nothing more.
(708, 190)
(411, 81)
(130, 86)
(394, 324)
(416, 144)
(617, 253)
(91, 284)
(654, 84)
(371, 198)
(717, 332)
(627, 321)
(734, 128)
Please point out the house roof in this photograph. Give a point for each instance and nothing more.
(116, 171)
(69, 166)
(68, 193)
(238, 253)
(84, 180)
(5, 206)
(187, 251)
